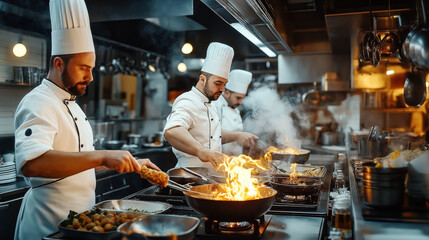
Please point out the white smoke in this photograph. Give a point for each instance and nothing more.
(268, 117)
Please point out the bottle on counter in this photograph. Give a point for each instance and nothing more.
(340, 183)
(341, 215)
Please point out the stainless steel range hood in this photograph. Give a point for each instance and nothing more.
(255, 17)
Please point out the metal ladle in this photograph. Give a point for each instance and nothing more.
(414, 89)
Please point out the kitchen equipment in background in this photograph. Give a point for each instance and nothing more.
(103, 132)
(418, 177)
(18, 74)
(134, 139)
(7, 168)
(376, 145)
(300, 157)
(355, 136)
(114, 144)
(331, 82)
(390, 42)
(415, 88)
(330, 138)
(182, 177)
(375, 99)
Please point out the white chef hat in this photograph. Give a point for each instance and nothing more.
(218, 59)
(71, 32)
(238, 81)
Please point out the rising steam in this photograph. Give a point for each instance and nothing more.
(268, 117)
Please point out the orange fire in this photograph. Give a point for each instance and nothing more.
(240, 185)
(289, 150)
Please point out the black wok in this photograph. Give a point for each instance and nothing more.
(231, 211)
(306, 186)
(301, 157)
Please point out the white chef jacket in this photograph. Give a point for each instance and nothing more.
(230, 119)
(193, 111)
(46, 119)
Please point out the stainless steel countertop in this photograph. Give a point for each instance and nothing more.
(294, 227)
(379, 230)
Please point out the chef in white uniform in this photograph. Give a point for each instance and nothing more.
(226, 106)
(53, 138)
(193, 126)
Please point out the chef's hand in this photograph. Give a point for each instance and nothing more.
(121, 161)
(246, 139)
(214, 157)
(146, 162)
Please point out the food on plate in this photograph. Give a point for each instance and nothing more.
(96, 220)
(397, 158)
(141, 211)
(157, 143)
(155, 177)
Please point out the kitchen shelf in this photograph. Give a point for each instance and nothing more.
(16, 85)
(395, 110)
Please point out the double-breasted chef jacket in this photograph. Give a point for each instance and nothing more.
(48, 119)
(193, 111)
(230, 119)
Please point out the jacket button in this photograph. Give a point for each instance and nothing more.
(220, 136)
(75, 118)
(93, 144)
(212, 119)
(86, 119)
(81, 145)
(211, 136)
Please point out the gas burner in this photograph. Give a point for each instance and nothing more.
(249, 229)
(297, 199)
(234, 226)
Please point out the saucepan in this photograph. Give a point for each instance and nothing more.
(181, 176)
(415, 88)
(301, 186)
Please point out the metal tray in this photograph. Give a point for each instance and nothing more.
(144, 207)
(70, 233)
(163, 226)
(299, 167)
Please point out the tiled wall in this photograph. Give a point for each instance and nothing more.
(10, 96)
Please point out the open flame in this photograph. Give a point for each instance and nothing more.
(289, 150)
(240, 185)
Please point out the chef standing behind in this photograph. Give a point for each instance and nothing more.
(53, 138)
(193, 126)
(226, 105)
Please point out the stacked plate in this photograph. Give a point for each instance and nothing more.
(7, 172)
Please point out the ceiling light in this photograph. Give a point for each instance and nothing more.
(182, 67)
(19, 50)
(152, 68)
(187, 48)
(390, 72)
(251, 37)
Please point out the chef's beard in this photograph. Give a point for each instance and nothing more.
(68, 84)
(210, 95)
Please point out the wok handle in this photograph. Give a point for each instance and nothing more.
(198, 175)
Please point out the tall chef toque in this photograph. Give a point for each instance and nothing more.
(238, 81)
(218, 59)
(71, 32)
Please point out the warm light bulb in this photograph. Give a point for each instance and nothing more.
(182, 67)
(19, 50)
(390, 72)
(152, 68)
(187, 48)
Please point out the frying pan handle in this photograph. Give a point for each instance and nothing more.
(198, 175)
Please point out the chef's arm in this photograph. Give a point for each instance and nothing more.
(245, 139)
(182, 140)
(57, 164)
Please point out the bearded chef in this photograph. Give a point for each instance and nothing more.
(226, 105)
(53, 138)
(193, 126)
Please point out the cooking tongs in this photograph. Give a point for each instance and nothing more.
(199, 175)
(186, 189)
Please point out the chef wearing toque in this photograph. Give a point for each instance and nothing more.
(193, 126)
(53, 138)
(226, 105)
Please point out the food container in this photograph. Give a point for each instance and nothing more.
(144, 207)
(174, 227)
(330, 138)
(134, 139)
(383, 187)
(355, 136)
(71, 233)
(114, 144)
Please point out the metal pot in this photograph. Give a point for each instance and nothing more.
(134, 139)
(355, 136)
(232, 211)
(301, 157)
(307, 186)
(330, 138)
